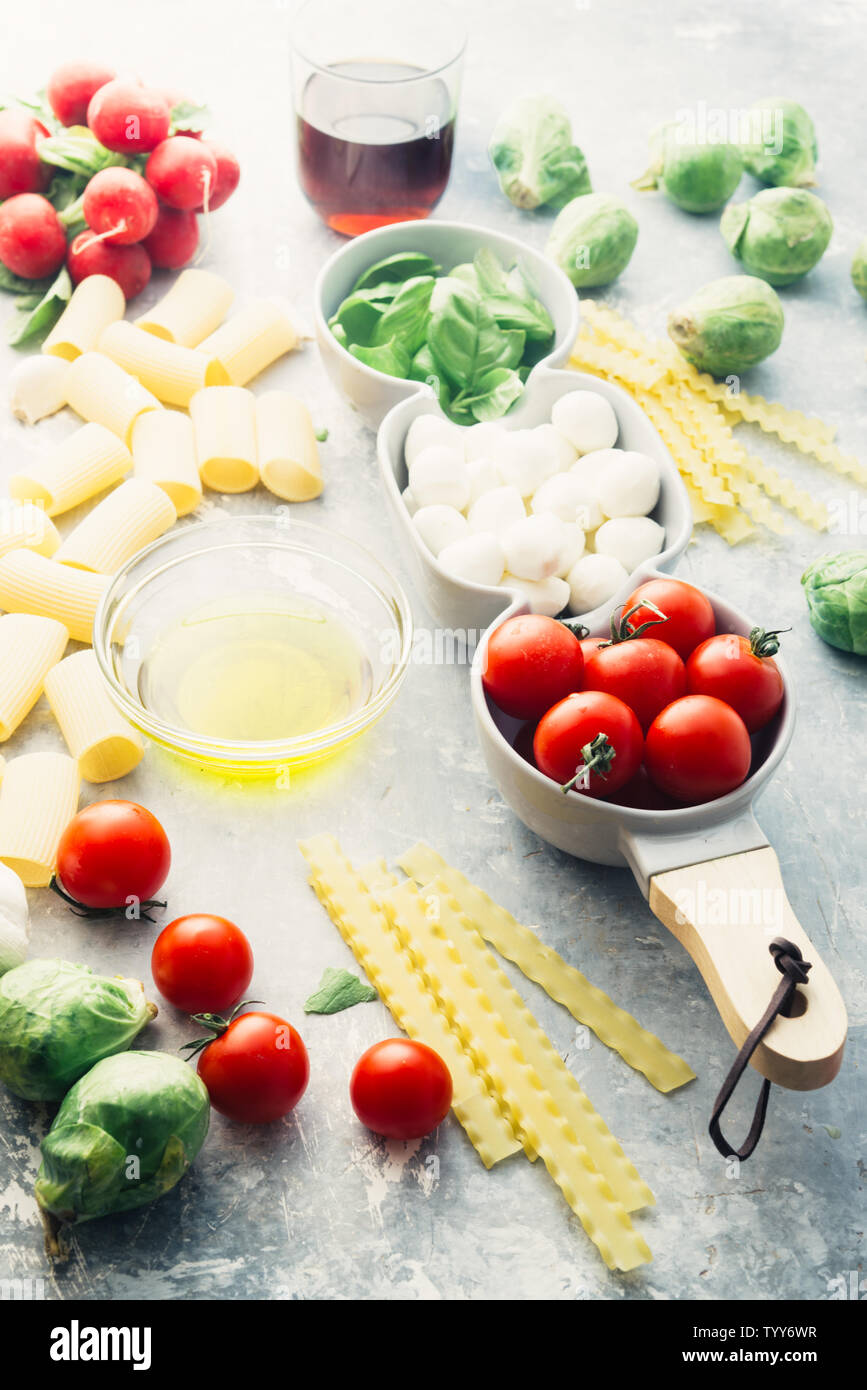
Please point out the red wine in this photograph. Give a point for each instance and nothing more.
(375, 144)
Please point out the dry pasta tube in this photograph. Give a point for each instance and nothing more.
(95, 303)
(101, 391)
(164, 452)
(29, 583)
(26, 525)
(38, 798)
(195, 306)
(129, 518)
(251, 340)
(224, 421)
(174, 374)
(87, 462)
(102, 743)
(288, 453)
(29, 647)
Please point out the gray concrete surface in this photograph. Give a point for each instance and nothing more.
(315, 1207)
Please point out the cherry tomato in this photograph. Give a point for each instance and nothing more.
(531, 662)
(256, 1070)
(590, 646)
(111, 852)
(645, 674)
(202, 964)
(697, 749)
(689, 613)
(589, 730)
(401, 1088)
(741, 671)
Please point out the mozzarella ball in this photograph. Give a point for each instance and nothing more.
(438, 526)
(630, 485)
(587, 420)
(569, 497)
(483, 440)
(409, 501)
(496, 510)
(439, 475)
(546, 596)
(429, 430)
(594, 580)
(534, 547)
(477, 559)
(525, 461)
(484, 476)
(592, 468)
(557, 445)
(630, 539)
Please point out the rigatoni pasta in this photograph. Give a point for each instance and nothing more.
(129, 518)
(38, 798)
(164, 452)
(27, 525)
(251, 340)
(87, 462)
(224, 421)
(195, 306)
(29, 647)
(99, 390)
(30, 583)
(96, 302)
(102, 743)
(287, 450)
(171, 372)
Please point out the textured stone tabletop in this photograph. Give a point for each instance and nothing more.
(316, 1207)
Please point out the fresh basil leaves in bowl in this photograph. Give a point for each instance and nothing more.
(453, 311)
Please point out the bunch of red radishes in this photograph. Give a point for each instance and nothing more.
(109, 178)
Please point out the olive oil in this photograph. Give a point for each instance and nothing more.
(259, 668)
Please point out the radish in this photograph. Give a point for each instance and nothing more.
(174, 239)
(176, 98)
(32, 239)
(129, 266)
(183, 172)
(71, 87)
(128, 118)
(21, 170)
(120, 206)
(228, 176)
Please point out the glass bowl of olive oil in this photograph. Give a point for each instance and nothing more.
(255, 643)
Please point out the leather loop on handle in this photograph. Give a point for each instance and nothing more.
(795, 970)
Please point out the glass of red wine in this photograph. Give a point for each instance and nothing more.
(376, 86)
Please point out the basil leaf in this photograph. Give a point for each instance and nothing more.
(402, 266)
(188, 115)
(17, 285)
(510, 300)
(391, 358)
(338, 990)
(465, 338)
(406, 317)
(33, 317)
(359, 317)
(493, 394)
(424, 367)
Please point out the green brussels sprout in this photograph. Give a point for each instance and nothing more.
(728, 325)
(835, 587)
(593, 239)
(124, 1135)
(779, 234)
(859, 269)
(532, 151)
(57, 1019)
(699, 176)
(781, 148)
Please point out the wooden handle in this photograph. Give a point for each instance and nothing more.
(726, 912)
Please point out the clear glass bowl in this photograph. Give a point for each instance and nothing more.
(202, 565)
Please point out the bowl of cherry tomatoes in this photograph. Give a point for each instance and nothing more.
(642, 745)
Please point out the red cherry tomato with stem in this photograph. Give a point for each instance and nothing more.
(642, 672)
(202, 964)
(697, 749)
(741, 671)
(591, 742)
(401, 1089)
(113, 852)
(530, 663)
(256, 1068)
(688, 611)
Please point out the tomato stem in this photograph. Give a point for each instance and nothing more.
(763, 642)
(573, 625)
(216, 1025)
(621, 632)
(597, 755)
(96, 913)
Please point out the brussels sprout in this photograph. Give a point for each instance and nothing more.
(532, 151)
(835, 587)
(57, 1019)
(781, 148)
(728, 325)
(779, 234)
(699, 176)
(593, 239)
(124, 1135)
(859, 269)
